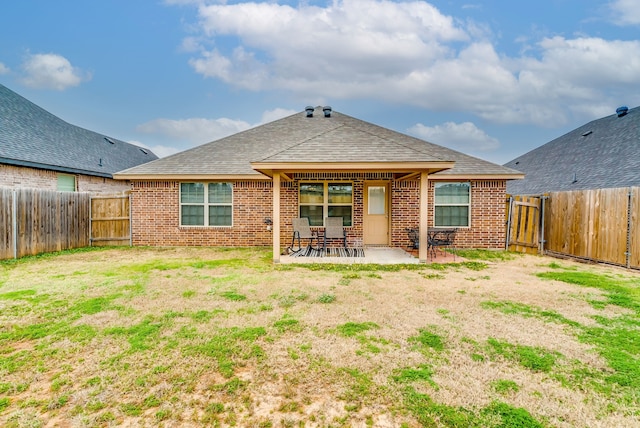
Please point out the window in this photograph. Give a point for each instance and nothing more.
(452, 202)
(66, 183)
(320, 200)
(206, 204)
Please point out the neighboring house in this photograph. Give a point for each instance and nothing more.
(315, 164)
(40, 150)
(604, 153)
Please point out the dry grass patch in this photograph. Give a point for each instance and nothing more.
(221, 337)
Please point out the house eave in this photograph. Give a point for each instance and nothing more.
(403, 168)
(57, 168)
(190, 177)
(476, 177)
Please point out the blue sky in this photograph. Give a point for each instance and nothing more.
(491, 78)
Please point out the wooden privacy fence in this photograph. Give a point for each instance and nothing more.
(110, 221)
(523, 222)
(36, 221)
(601, 225)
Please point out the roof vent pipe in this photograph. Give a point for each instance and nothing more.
(621, 111)
(327, 111)
(309, 111)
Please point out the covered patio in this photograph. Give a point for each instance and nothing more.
(376, 255)
(399, 171)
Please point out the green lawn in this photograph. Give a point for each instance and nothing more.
(222, 337)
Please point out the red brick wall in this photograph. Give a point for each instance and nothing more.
(487, 229)
(155, 207)
(156, 216)
(23, 177)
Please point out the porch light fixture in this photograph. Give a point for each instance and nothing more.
(309, 110)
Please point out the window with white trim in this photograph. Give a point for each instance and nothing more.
(206, 204)
(452, 204)
(326, 199)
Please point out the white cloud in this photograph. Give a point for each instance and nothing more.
(626, 12)
(287, 47)
(51, 71)
(410, 53)
(275, 114)
(159, 150)
(195, 131)
(4, 69)
(464, 137)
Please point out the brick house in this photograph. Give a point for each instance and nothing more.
(245, 189)
(40, 150)
(601, 154)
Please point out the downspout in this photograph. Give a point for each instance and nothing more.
(130, 222)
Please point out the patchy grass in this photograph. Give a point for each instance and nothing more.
(222, 337)
(487, 255)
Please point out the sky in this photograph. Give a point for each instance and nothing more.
(490, 78)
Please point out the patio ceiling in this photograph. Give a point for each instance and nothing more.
(401, 170)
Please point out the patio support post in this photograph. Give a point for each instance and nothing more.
(424, 203)
(276, 217)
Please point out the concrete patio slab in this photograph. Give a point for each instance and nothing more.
(375, 255)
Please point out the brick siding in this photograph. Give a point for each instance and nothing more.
(16, 177)
(156, 213)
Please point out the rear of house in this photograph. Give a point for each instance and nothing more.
(245, 190)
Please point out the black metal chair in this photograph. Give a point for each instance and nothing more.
(414, 237)
(441, 238)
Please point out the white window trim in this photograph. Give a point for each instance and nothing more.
(435, 204)
(205, 204)
(325, 204)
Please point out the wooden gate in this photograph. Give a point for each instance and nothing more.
(523, 224)
(110, 220)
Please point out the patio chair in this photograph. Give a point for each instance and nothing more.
(441, 238)
(302, 230)
(334, 230)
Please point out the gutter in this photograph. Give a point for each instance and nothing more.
(57, 168)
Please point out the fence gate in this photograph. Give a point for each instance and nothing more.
(110, 220)
(523, 224)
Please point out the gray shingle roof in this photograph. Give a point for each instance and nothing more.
(31, 136)
(297, 138)
(604, 153)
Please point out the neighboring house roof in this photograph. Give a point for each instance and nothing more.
(298, 142)
(604, 153)
(30, 136)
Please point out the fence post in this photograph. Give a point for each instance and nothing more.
(627, 253)
(543, 199)
(506, 244)
(14, 224)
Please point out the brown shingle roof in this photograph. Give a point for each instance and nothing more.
(297, 138)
